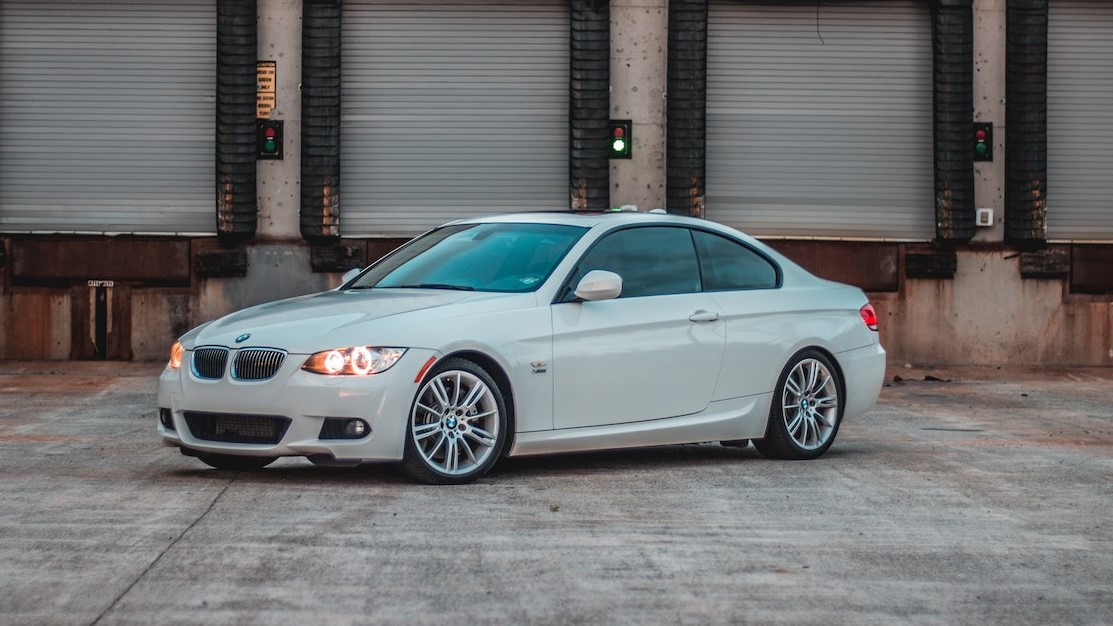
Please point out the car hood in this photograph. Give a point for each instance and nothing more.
(336, 319)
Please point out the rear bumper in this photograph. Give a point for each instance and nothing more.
(863, 372)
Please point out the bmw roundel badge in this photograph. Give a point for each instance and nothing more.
(244, 337)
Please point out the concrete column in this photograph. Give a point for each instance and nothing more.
(278, 180)
(989, 106)
(278, 262)
(639, 53)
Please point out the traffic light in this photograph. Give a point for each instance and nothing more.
(621, 143)
(983, 141)
(268, 139)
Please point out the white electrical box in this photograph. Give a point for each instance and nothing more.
(984, 217)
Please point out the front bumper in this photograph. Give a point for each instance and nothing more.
(382, 400)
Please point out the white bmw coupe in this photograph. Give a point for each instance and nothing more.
(531, 334)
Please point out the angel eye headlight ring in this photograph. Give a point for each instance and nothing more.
(354, 361)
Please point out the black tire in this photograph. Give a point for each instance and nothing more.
(457, 425)
(804, 416)
(235, 463)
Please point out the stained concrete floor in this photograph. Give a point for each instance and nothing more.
(982, 497)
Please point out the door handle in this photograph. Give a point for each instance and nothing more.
(704, 316)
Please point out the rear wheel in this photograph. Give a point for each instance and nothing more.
(457, 426)
(806, 409)
(236, 463)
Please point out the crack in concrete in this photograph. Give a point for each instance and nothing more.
(165, 550)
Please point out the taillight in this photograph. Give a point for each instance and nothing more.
(869, 316)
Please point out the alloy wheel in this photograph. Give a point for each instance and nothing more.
(810, 404)
(455, 423)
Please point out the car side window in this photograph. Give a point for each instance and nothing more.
(651, 260)
(727, 264)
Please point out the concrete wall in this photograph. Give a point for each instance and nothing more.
(989, 315)
(986, 314)
(275, 271)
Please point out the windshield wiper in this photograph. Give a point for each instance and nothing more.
(435, 286)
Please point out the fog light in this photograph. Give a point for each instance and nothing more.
(355, 428)
(344, 428)
(166, 418)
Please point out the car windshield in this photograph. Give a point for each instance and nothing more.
(475, 257)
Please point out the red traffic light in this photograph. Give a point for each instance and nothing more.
(983, 141)
(268, 139)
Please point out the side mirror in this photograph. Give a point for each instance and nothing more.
(599, 285)
(349, 275)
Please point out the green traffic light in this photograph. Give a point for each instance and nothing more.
(270, 145)
(981, 148)
(620, 145)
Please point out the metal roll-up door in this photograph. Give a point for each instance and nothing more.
(1080, 120)
(450, 109)
(107, 120)
(819, 118)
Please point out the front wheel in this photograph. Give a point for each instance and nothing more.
(806, 409)
(457, 426)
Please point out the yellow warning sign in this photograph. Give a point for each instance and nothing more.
(265, 72)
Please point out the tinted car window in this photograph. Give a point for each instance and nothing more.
(479, 257)
(652, 261)
(727, 264)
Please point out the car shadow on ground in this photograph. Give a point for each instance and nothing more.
(686, 455)
(674, 457)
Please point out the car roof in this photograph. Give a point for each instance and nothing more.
(583, 219)
(615, 218)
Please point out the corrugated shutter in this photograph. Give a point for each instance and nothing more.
(451, 109)
(1080, 120)
(819, 118)
(107, 119)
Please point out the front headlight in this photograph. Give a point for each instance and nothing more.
(176, 352)
(357, 361)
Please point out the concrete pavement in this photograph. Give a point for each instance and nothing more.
(984, 497)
